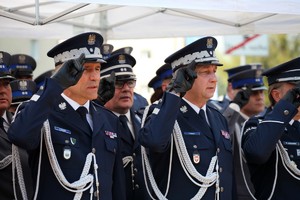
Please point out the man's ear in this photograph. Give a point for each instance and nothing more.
(276, 95)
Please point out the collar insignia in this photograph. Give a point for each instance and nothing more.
(62, 106)
(183, 109)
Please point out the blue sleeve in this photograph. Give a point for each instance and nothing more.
(260, 136)
(25, 129)
(156, 133)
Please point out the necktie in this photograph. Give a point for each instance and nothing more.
(127, 132)
(202, 115)
(82, 112)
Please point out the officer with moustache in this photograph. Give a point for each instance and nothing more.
(189, 144)
(121, 104)
(73, 143)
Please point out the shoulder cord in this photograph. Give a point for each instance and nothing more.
(5, 162)
(289, 165)
(86, 180)
(190, 170)
(16, 165)
(210, 178)
(243, 160)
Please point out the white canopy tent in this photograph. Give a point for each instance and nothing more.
(147, 19)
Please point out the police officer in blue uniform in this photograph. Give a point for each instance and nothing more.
(22, 66)
(248, 102)
(121, 104)
(188, 141)
(7, 181)
(271, 141)
(73, 143)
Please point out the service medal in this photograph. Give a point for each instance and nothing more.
(196, 157)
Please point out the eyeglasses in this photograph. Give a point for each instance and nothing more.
(129, 83)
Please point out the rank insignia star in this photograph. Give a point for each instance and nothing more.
(183, 109)
(62, 105)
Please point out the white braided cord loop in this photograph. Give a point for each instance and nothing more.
(16, 165)
(5, 162)
(86, 180)
(206, 181)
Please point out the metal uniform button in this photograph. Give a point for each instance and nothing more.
(93, 150)
(135, 170)
(137, 186)
(195, 146)
(221, 169)
(286, 112)
(218, 150)
(221, 189)
(134, 154)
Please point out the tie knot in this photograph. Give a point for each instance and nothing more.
(202, 114)
(82, 111)
(123, 118)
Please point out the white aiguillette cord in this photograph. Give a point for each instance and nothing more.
(86, 180)
(188, 167)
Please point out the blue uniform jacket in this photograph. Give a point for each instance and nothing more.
(156, 135)
(69, 131)
(259, 140)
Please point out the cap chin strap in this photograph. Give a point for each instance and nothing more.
(86, 180)
(202, 181)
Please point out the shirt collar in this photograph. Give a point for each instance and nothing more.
(74, 104)
(195, 108)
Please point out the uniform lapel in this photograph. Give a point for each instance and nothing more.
(96, 117)
(136, 126)
(214, 124)
(194, 120)
(68, 114)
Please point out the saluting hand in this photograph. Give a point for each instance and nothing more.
(243, 96)
(293, 96)
(106, 89)
(183, 79)
(70, 72)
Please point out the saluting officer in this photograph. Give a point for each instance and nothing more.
(248, 101)
(73, 143)
(121, 104)
(271, 141)
(189, 144)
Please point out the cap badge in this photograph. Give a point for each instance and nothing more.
(209, 43)
(62, 105)
(122, 59)
(106, 49)
(127, 50)
(23, 85)
(91, 39)
(22, 59)
(183, 109)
